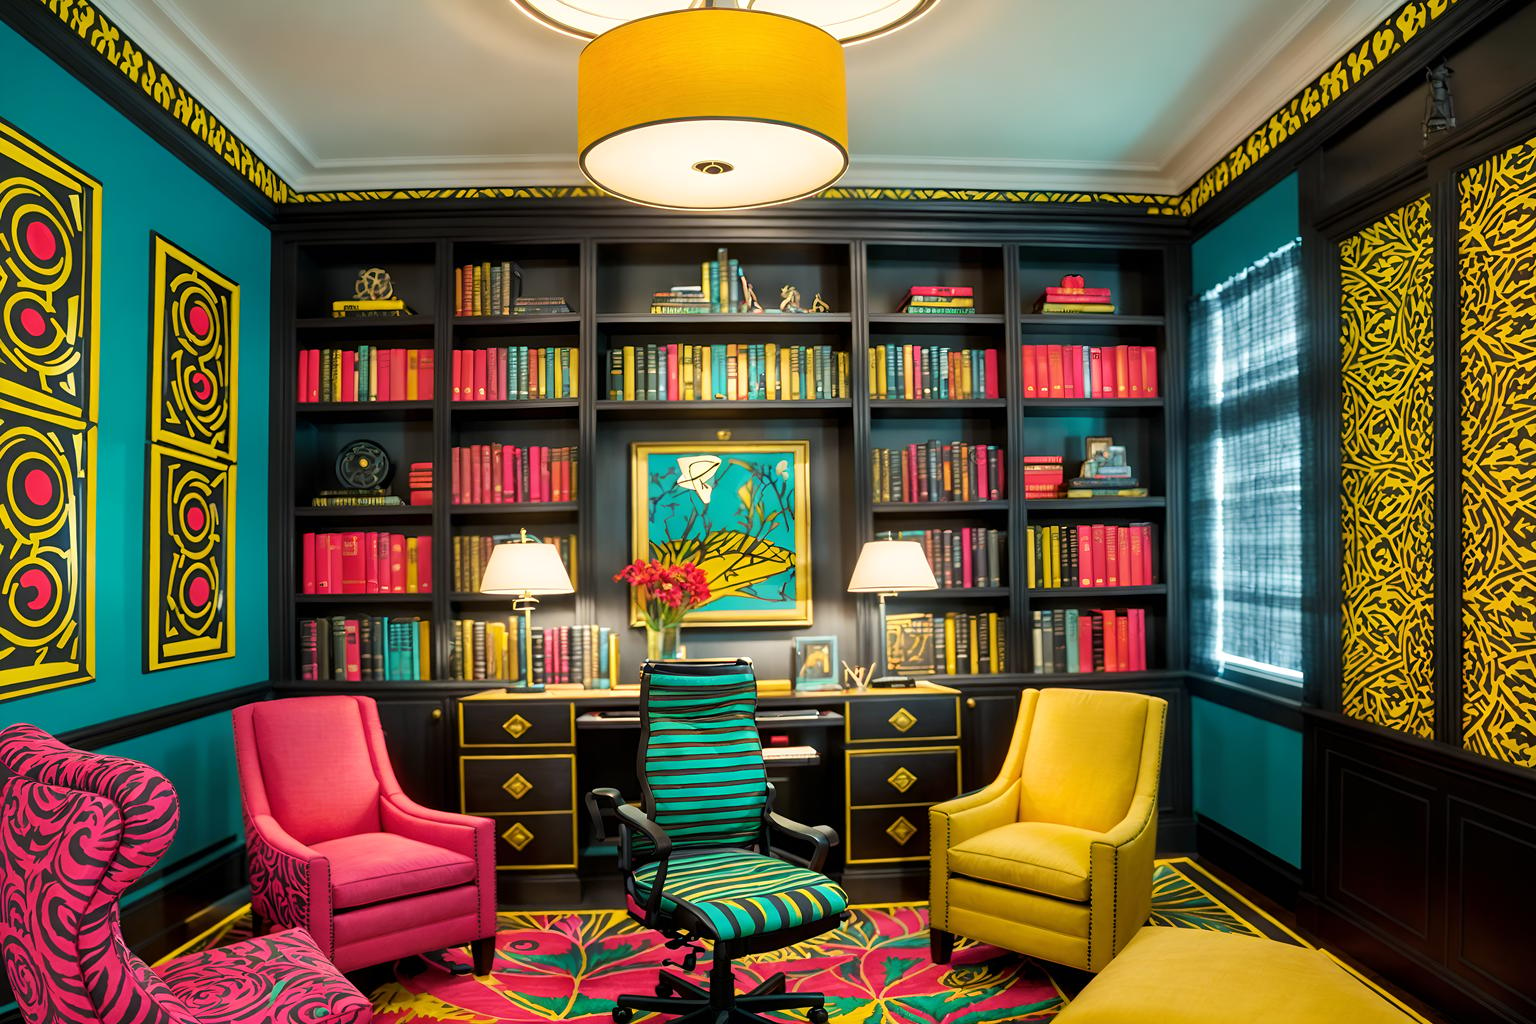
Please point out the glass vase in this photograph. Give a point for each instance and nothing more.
(664, 643)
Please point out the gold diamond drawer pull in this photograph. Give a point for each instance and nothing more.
(516, 726)
(518, 836)
(517, 786)
(902, 780)
(901, 830)
(902, 720)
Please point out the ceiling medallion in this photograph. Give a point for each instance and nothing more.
(848, 21)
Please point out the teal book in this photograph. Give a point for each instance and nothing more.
(1071, 631)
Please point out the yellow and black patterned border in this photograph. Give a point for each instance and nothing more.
(1497, 227)
(109, 43)
(1387, 470)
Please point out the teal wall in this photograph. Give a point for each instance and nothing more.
(1247, 772)
(146, 189)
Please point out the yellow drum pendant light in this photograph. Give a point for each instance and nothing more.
(712, 109)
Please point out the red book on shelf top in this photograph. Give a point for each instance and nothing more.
(1111, 641)
(353, 649)
(1138, 639)
(941, 290)
(1055, 293)
(1123, 641)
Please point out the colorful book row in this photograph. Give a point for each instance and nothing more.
(365, 374)
(471, 553)
(954, 643)
(365, 562)
(368, 648)
(730, 372)
(496, 474)
(1084, 555)
(933, 371)
(572, 657)
(1069, 640)
(516, 373)
(486, 289)
(1090, 371)
(962, 558)
(937, 471)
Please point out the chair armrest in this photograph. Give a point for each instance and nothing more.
(464, 834)
(966, 817)
(290, 883)
(1120, 873)
(821, 837)
(1132, 826)
(632, 819)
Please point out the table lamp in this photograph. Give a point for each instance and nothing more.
(526, 569)
(887, 568)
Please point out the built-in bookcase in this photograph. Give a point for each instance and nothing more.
(608, 284)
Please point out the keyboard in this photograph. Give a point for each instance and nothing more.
(772, 754)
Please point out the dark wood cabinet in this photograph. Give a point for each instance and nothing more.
(988, 726)
(416, 732)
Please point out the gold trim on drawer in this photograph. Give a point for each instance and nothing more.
(512, 736)
(572, 808)
(898, 719)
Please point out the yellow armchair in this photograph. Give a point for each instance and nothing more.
(1054, 857)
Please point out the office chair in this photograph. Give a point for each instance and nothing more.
(696, 855)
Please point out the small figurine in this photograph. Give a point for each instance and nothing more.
(791, 296)
(858, 676)
(819, 305)
(374, 283)
(1439, 107)
(749, 301)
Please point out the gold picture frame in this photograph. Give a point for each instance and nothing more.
(775, 476)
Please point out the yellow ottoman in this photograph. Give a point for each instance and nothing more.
(1187, 976)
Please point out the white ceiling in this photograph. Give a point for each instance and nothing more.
(1095, 95)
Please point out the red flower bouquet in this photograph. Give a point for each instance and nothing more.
(667, 592)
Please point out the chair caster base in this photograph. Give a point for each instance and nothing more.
(692, 1004)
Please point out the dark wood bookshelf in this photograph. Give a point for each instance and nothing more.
(768, 322)
(517, 322)
(1046, 406)
(927, 508)
(349, 512)
(363, 324)
(516, 508)
(724, 406)
(1086, 505)
(950, 593)
(1149, 590)
(943, 321)
(365, 410)
(1089, 321)
(367, 599)
(520, 407)
(923, 406)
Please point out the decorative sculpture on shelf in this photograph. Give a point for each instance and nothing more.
(374, 283)
(1439, 106)
(749, 300)
(791, 299)
(819, 305)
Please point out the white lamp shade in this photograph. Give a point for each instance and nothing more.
(533, 569)
(849, 21)
(891, 566)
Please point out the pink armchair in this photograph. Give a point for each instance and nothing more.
(336, 848)
(76, 830)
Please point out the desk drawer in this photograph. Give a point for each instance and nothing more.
(526, 842)
(887, 834)
(903, 718)
(517, 783)
(920, 775)
(516, 723)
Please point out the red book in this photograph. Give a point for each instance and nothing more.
(1084, 556)
(1112, 556)
(1058, 294)
(421, 498)
(1123, 543)
(1133, 371)
(1123, 642)
(501, 375)
(396, 563)
(424, 565)
(1134, 562)
(1111, 642)
(349, 376)
(500, 492)
(1138, 637)
(1042, 370)
(307, 563)
(382, 390)
(353, 578)
(313, 358)
(984, 491)
(1100, 569)
(333, 563)
(424, 366)
(1148, 573)
(1107, 377)
(487, 493)
(1095, 372)
(672, 393)
(509, 488)
(1149, 371)
(544, 473)
(354, 652)
(1056, 371)
(478, 375)
(1122, 373)
(303, 391)
(1085, 642)
(453, 476)
(371, 563)
(1071, 367)
(381, 561)
(397, 376)
(456, 369)
(948, 291)
(989, 368)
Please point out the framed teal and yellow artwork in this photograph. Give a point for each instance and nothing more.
(741, 511)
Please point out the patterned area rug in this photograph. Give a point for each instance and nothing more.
(874, 970)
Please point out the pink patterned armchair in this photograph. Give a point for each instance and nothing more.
(76, 830)
(336, 848)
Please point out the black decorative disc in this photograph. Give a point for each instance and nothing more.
(362, 465)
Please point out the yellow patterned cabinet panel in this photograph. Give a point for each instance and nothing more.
(1495, 250)
(1387, 470)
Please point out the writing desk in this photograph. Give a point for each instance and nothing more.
(527, 760)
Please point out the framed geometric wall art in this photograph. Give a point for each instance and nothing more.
(50, 237)
(194, 353)
(740, 510)
(189, 578)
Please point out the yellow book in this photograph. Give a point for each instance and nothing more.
(629, 373)
(704, 279)
(975, 651)
(412, 567)
(844, 389)
(478, 284)
(743, 374)
(796, 379)
(411, 365)
(908, 381)
(873, 375)
(708, 365)
(685, 371)
(575, 371)
(949, 644)
(1029, 557)
(966, 387)
(540, 370)
(770, 370)
(613, 660)
(728, 386)
(784, 363)
(992, 630)
(1053, 555)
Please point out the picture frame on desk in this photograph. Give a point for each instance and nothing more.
(816, 664)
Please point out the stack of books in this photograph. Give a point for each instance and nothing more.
(1073, 296)
(933, 371)
(962, 558)
(1043, 476)
(472, 552)
(935, 471)
(730, 372)
(349, 497)
(487, 289)
(369, 307)
(1090, 371)
(365, 562)
(938, 298)
(533, 304)
(367, 648)
(365, 374)
(498, 474)
(515, 373)
(954, 643)
(1083, 555)
(419, 481)
(564, 657)
(1069, 640)
(682, 298)
(722, 288)
(1106, 479)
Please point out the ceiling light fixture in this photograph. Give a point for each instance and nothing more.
(712, 108)
(850, 21)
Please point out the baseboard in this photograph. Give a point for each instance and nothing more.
(1175, 834)
(1248, 862)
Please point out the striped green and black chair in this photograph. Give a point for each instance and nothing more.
(697, 855)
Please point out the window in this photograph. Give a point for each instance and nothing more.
(1245, 508)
